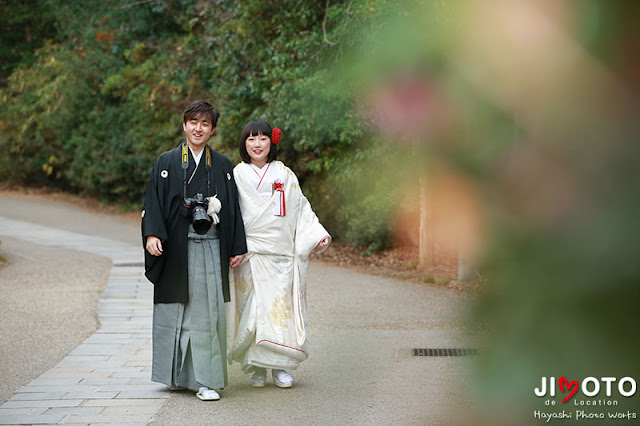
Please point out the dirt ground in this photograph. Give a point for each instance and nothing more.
(394, 262)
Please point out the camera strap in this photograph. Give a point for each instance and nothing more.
(185, 166)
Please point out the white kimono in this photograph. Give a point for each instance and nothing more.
(267, 319)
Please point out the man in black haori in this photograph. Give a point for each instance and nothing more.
(193, 232)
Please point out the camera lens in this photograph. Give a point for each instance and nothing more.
(201, 220)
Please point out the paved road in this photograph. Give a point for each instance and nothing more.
(363, 328)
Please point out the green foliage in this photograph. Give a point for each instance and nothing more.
(363, 189)
(103, 95)
(25, 26)
(368, 222)
(65, 123)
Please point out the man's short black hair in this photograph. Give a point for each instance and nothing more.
(256, 127)
(197, 109)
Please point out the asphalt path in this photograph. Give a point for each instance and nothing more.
(362, 329)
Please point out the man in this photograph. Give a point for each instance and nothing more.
(189, 265)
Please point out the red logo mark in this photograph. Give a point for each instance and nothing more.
(565, 385)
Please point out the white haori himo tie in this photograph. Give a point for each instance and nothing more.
(214, 208)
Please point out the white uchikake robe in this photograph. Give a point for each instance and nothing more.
(267, 319)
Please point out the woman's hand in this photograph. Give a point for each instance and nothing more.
(235, 260)
(154, 245)
(324, 242)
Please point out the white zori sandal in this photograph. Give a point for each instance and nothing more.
(282, 379)
(258, 380)
(206, 394)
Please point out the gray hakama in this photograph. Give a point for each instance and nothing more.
(190, 340)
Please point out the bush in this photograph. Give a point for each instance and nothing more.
(367, 222)
(104, 97)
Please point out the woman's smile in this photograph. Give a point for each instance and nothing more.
(258, 147)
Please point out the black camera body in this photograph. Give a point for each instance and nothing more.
(197, 206)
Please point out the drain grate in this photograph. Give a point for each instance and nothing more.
(444, 352)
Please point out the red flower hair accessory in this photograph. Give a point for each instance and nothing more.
(276, 134)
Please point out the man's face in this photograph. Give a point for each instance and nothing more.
(198, 131)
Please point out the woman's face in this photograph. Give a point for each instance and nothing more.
(258, 147)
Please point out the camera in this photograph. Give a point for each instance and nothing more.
(197, 206)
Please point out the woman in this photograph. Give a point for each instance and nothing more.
(268, 315)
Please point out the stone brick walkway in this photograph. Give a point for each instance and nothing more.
(105, 380)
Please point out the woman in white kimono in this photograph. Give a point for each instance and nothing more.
(268, 319)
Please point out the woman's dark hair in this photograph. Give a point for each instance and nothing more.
(197, 109)
(256, 127)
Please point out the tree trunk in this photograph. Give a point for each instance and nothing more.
(427, 252)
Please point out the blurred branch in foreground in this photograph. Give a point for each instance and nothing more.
(522, 119)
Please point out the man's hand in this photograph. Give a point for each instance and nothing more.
(154, 245)
(235, 260)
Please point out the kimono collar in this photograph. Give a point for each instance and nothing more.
(185, 165)
(185, 156)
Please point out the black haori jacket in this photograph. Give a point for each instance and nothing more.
(165, 217)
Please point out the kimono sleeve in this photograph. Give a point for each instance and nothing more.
(153, 223)
(309, 230)
(238, 238)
